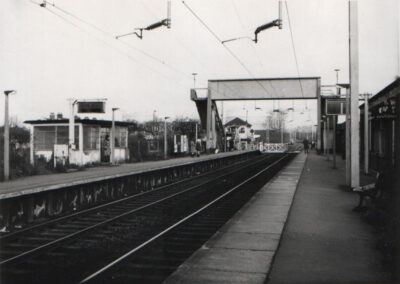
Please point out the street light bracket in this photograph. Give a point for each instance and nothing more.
(10, 92)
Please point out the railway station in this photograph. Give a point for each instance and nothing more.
(197, 151)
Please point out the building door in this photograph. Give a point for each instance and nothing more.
(105, 147)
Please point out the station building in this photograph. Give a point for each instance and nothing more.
(384, 127)
(50, 137)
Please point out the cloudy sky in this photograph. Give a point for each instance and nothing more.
(69, 50)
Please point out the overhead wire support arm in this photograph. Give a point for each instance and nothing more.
(165, 22)
(274, 23)
(139, 35)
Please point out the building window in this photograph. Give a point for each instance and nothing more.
(121, 137)
(91, 137)
(46, 136)
(242, 130)
(44, 139)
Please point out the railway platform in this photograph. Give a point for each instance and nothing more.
(39, 183)
(299, 228)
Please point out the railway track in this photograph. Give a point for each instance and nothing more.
(82, 246)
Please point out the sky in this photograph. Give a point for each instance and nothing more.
(68, 50)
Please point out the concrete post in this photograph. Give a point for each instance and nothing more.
(112, 140)
(80, 141)
(7, 136)
(327, 138)
(71, 135)
(348, 145)
(165, 138)
(209, 120)
(319, 145)
(6, 140)
(334, 141)
(32, 145)
(354, 92)
(366, 134)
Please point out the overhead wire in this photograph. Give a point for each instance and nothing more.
(243, 29)
(228, 49)
(183, 45)
(107, 34)
(294, 49)
(106, 43)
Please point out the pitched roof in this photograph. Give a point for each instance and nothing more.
(237, 121)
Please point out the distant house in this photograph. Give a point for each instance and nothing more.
(50, 140)
(239, 134)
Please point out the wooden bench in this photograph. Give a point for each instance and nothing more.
(373, 191)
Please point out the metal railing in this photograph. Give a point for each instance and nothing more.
(275, 147)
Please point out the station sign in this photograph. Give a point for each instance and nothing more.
(335, 106)
(91, 106)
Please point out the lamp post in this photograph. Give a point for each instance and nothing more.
(165, 137)
(112, 142)
(337, 81)
(194, 80)
(7, 136)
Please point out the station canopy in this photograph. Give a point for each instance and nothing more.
(265, 88)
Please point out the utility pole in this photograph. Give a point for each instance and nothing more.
(337, 81)
(71, 135)
(366, 134)
(112, 142)
(354, 92)
(194, 80)
(7, 136)
(165, 137)
(327, 137)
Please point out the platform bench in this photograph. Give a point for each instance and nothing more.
(372, 191)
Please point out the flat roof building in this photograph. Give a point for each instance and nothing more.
(50, 137)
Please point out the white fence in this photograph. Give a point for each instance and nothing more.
(275, 147)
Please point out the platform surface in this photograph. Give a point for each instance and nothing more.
(37, 183)
(324, 240)
(243, 249)
(314, 237)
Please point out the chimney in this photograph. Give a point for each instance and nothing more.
(59, 115)
(52, 116)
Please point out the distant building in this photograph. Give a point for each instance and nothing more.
(239, 134)
(50, 137)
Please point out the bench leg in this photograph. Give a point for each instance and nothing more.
(360, 207)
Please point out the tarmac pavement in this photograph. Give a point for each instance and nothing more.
(324, 241)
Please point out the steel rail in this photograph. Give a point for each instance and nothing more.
(85, 230)
(128, 254)
(93, 209)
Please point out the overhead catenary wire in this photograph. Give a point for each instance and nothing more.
(243, 29)
(294, 49)
(183, 45)
(107, 34)
(124, 43)
(130, 57)
(228, 49)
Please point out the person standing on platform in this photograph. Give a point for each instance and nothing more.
(198, 147)
(306, 145)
